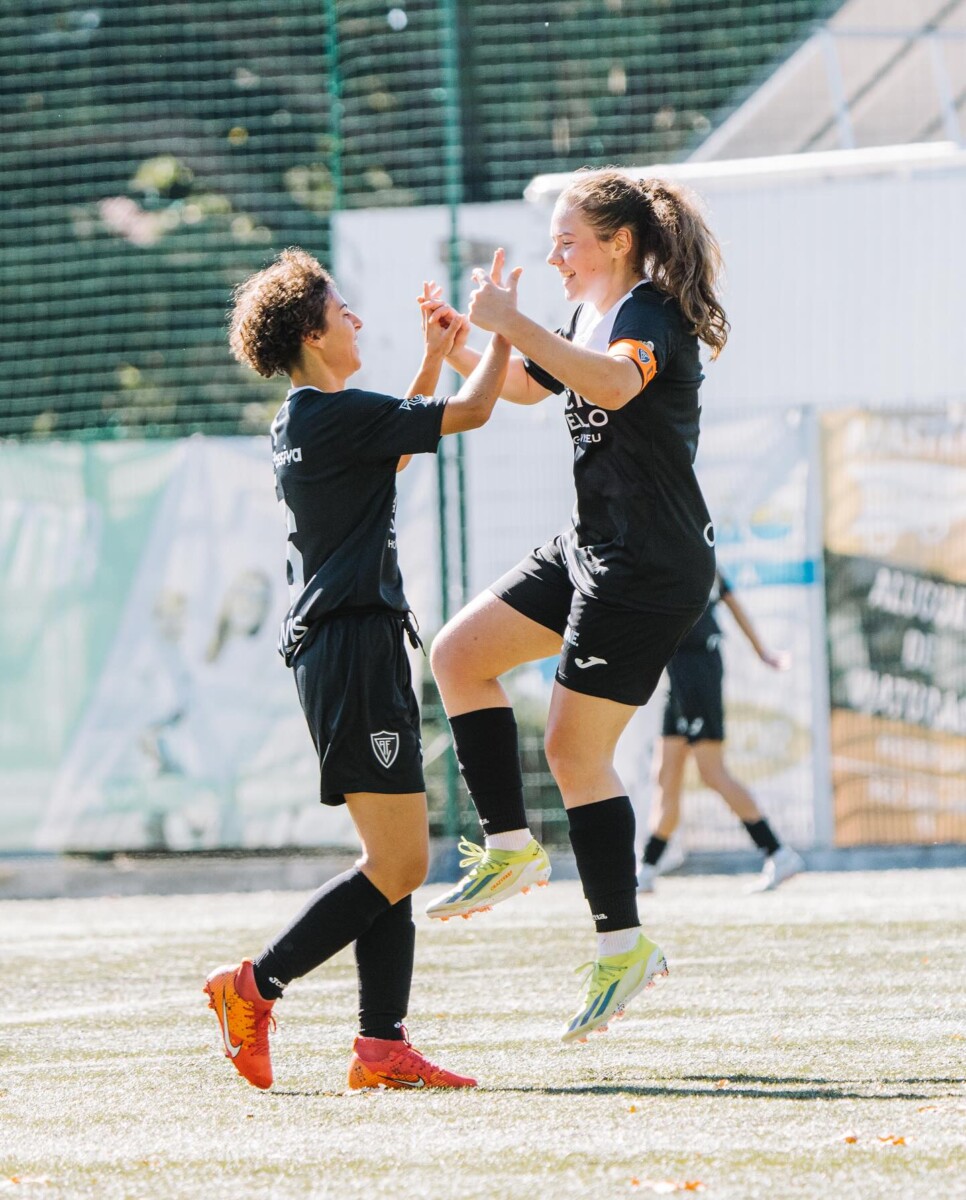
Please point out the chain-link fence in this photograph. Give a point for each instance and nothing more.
(156, 153)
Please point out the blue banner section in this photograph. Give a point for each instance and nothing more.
(749, 572)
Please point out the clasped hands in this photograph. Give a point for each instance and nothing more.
(492, 303)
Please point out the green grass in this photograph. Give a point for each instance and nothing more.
(830, 1010)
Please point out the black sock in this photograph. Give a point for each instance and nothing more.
(339, 913)
(653, 850)
(762, 834)
(489, 759)
(384, 961)
(602, 836)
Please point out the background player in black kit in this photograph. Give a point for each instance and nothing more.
(694, 724)
(336, 454)
(621, 586)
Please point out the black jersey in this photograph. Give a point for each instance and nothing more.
(641, 536)
(705, 633)
(335, 456)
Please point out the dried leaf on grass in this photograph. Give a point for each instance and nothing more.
(664, 1187)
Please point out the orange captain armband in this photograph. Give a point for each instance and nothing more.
(641, 355)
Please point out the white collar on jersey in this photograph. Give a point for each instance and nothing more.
(594, 329)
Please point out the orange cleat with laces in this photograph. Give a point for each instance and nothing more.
(244, 1017)
(380, 1063)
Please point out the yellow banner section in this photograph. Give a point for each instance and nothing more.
(895, 783)
(895, 489)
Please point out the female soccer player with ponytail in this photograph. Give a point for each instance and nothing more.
(618, 589)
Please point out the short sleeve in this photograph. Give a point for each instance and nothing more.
(651, 324)
(724, 587)
(372, 426)
(544, 378)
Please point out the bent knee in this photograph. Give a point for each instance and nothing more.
(571, 764)
(441, 653)
(397, 878)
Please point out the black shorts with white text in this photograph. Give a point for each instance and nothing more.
(610, 652)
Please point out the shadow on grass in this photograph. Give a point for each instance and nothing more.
(734, 1088)
(320, 1094)
(921, 1080)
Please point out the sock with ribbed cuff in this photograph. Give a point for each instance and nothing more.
(602, 836)
(762, 834)
(488, 753)
(337, 914)
(384, 965)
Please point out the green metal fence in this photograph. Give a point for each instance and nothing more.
(156, 153)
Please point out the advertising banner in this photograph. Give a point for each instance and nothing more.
(895, 533)
(757, 474)
(142, 703)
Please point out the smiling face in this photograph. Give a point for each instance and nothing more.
(593, 271)
(338, 345)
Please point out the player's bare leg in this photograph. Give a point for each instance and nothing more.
(480, 644)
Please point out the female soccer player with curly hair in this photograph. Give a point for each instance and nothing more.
(618, 589)
(336, 452)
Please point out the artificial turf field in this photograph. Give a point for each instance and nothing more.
(807, 1043)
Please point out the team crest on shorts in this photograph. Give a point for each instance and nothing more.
(385, 746)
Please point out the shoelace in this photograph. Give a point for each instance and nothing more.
(407, 1057)
(597, 976)
(474, 854)
(411, 1062)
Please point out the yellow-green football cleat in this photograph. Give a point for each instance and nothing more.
(494, 875)
(611, 982)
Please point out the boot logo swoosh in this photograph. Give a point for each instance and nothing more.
(232, 1050)
(413, 1083)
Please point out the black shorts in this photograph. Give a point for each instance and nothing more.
(611, 652)
(355, 685)
(695, 708)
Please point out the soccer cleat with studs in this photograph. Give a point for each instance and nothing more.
(611, 982)
(494, 876)
(244, 1017)
(397, 1064)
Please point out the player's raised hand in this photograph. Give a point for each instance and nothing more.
(492, 303)
(441, 326)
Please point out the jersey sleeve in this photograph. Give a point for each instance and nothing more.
(543, 377)
(645, 333)
(372, 426)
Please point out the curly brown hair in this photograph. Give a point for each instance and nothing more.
(672, 241)
(274, 309)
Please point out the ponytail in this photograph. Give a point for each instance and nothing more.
(672, 242)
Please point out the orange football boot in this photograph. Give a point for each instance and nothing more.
(381, 1063)
(244, 1017)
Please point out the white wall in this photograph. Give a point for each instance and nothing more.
(846, 289)
(843, 290)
